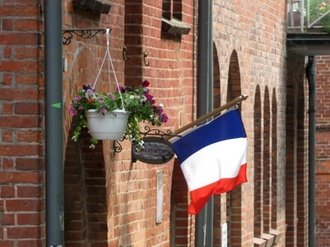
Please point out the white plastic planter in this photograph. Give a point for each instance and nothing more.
(107, 126)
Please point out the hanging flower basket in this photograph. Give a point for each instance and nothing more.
(108, 125)
(126, 107)
(139, 107)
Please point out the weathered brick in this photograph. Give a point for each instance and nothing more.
(7, 24)
(23, 232)
(26, 25)
(7, 243)
(20, 177)
(23, 205)
(29, 191)
(30, 243)
(29, 218)
(29, 136)
(7, 164)
(16, 66)
(7, 136)
(26, 52)
(27, 163)
(19, 122)
(19, 94)
(7, 191)
(28, 108)
(8, 219)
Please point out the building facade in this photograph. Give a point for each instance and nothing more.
(111, 199)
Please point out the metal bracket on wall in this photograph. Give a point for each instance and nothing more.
(67, 35)
(147, 133)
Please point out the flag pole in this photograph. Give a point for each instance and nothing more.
(210, 114)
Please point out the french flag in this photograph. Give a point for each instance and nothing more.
(213, 158)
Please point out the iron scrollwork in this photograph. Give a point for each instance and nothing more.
(117, 147)
(156, 132)
(67, 35)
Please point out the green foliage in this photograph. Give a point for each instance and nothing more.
(317, 8)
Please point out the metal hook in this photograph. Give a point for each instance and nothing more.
(145, 60)
(108, 36)
(125, 57)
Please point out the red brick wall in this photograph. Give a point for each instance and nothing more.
(21, 125)
(322, 151)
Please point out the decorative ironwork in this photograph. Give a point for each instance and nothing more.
(67, 35)
(156, 132)
(117, 147)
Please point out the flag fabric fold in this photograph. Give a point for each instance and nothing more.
(213, 158)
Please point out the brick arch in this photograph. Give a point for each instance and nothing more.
(216, 104)
(216, 78)
(274, 151)
(133, 41)
(258, 169)
(180, 225)
(85, 194)
(234, 77)
(267, 169)
(295, 77)
(302, 168)
(234, 198)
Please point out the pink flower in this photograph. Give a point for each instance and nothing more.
(102, 110)
(72, 110)
(121, 89)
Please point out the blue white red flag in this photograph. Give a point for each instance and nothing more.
(213, 158)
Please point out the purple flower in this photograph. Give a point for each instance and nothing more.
(160, 111)
(102, 110)
(163, 118)
(149, 98)
(101, 101)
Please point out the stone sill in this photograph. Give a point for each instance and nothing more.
(175, 27)
(258, 242)
(276, 234)
(95, 6)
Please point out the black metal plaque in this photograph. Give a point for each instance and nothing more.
(156, 151)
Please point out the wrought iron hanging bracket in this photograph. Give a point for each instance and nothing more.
(67, 34)
(117, 147)
(156, 132)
